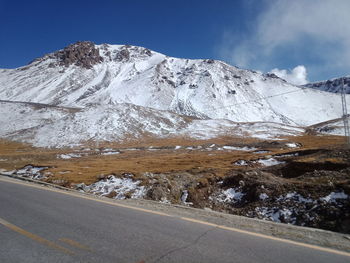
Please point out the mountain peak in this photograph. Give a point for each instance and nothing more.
(82, 53)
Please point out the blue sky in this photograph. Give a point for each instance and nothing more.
(262, 35)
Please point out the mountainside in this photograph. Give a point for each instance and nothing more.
(332, 85)
(47, 126)
(84, 73)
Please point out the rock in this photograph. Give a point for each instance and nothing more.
(101, 177)
(82, 187)
(112, 194)
(82, 54)
(123, 55)
(146, 51)
(241, 183)
(156, 193)
(61, 182)
(271, 75)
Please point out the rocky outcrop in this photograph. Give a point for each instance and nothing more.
(333, 85)
(83, 54)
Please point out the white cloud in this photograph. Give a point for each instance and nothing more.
(310, 32)
(297, 75)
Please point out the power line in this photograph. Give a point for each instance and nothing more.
(260, 99)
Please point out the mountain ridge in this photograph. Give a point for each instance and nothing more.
(332, 85)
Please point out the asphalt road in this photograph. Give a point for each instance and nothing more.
(43, 225)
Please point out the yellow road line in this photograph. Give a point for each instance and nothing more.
(75, 244)
(315, 247)
(34, 237)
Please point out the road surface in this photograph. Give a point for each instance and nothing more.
(39, 224)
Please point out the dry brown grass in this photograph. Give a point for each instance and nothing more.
(86, 169)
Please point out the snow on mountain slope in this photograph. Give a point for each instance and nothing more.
(18, 118)
(332, 85)
(333, 127)
(47, 126)
(85, 73)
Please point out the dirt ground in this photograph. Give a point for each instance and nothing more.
(224, 174)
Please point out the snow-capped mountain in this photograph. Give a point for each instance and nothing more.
(332, 85)
(84, 73)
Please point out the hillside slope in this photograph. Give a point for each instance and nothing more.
(84, 73)
(46, 126)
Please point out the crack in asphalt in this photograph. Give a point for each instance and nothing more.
(186, 246)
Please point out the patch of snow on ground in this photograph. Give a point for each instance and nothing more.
(241, 163)
(293, 207)
(334, 196)
(262, 151)
(123, 188)
(69, 156)
(292, 145)
(109, 149)
(4, 171)
(295, 197)
(269, 162)
(263, 196)
(163, 200)
(230, 195)
(30, 171)
(86, 149)
(153, 149)
(184, 197)
(64, 172)
(110, 153)
(245, 149)
(286, 155)
(276, 214)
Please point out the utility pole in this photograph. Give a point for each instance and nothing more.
(345, 113)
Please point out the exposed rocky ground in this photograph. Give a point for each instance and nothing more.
(81, 54)
(332, 85)
(314, 194)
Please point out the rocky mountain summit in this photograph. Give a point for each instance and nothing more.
(82, 54)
